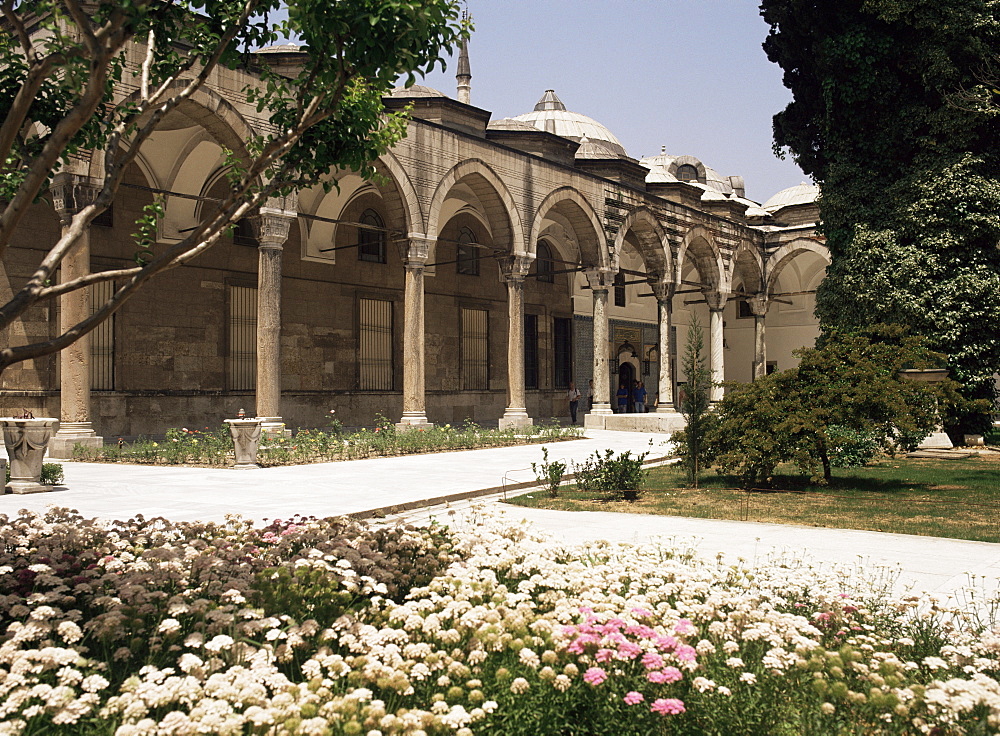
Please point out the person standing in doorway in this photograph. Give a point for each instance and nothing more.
(639, 396)
(573, 395)
(590, 396)
(622, 397)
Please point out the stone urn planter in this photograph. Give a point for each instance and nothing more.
(938, 439)
(246, 440)
(26, 441)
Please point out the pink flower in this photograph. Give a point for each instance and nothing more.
(652, 661)
(683, 627)
(686, 653)
(665, 643)
(628, 650)
(669, 674)
(667, 706)
(633, 698)
(641, 613)
(595, 676)
(604, 655)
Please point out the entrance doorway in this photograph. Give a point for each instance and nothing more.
(626, 375)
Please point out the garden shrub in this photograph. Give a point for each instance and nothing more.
(851, 448)
(52, 474)
(549, 472)
(611, 474)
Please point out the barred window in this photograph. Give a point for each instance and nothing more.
(562, 333)
(371, 239)
(467, 254)
(375, 345)
(242, 359)
(687, 172)
(619, 289)
(102, 340)
(543, 263)
(531, 351)
(475, 350)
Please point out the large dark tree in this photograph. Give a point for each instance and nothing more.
(895, 114)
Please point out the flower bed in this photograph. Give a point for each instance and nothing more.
(215, 447)
(328, 627)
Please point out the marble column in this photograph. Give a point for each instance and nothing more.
(271, 227)
(665, 391)
(758, 306)
(600, 281)
(716, 303)
(414, 406)
(70, 194)
(516, 414)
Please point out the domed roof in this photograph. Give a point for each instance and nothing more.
(595, 149)
(416, 90)
(659, 172)
(551, 115)
(799, 194)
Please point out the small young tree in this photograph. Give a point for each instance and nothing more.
(850, 381)
(694, 405)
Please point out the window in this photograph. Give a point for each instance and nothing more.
(543, 263)
(743, 309)
(371, 238)
(687, 172)
(375, 345)
(102, 340)
(562, 333)
(242, 363)
(475, 350)
(244, 233)
(531, 351)
(619, 289)
(467, 253)
(770, 367)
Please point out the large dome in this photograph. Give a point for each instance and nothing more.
(799, 194)
(551, 115)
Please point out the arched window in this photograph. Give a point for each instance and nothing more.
(467, 254)
(543, 262)
(687, 172)
(371, 239)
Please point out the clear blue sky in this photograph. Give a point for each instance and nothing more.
(686, 74)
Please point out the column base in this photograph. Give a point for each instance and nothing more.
(273, 428)
(25, 486)
(70, 435)
(413, 420)
(515, 417)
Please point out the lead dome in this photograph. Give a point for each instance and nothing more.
(551, 115)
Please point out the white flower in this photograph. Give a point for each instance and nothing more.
(169, 626)
(218, 643)
(748, 677)
(519, 686)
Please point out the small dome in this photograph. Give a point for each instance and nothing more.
(799, 194)
(595, 149)
(551, 115)
(510, 124)
(416, 90)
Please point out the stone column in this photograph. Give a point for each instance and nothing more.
(272, 226)
(516, 414)
(414, 407)
(758, 306)
(600, 280)
(716, 303)
(70, 194)
(665, 391)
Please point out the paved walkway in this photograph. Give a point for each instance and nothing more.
(119, 491)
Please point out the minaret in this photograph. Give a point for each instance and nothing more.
(464, 75)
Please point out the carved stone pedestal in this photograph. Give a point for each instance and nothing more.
(26, 441)
(246, 439)
(70, 435)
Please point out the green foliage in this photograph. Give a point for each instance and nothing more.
(52, 474)
(549, 472)
(847, 388)
(895, 114)
(851, 448)
(694, 405)
(614, 475)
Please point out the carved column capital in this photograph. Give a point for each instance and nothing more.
(600, 279)
(758, 304)
(664, 290)
(515, 267)
(418, 249)
(715, 299)
(71, 193)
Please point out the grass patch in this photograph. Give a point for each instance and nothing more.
(959, 499)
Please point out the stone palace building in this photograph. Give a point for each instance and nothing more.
(493, 262)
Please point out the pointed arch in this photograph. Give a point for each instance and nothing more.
(494, 195)
(700, 247)
(408, 207)
(581, 216)
(654, 244)
(777, 261)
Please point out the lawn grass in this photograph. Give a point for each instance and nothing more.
(957, 498)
